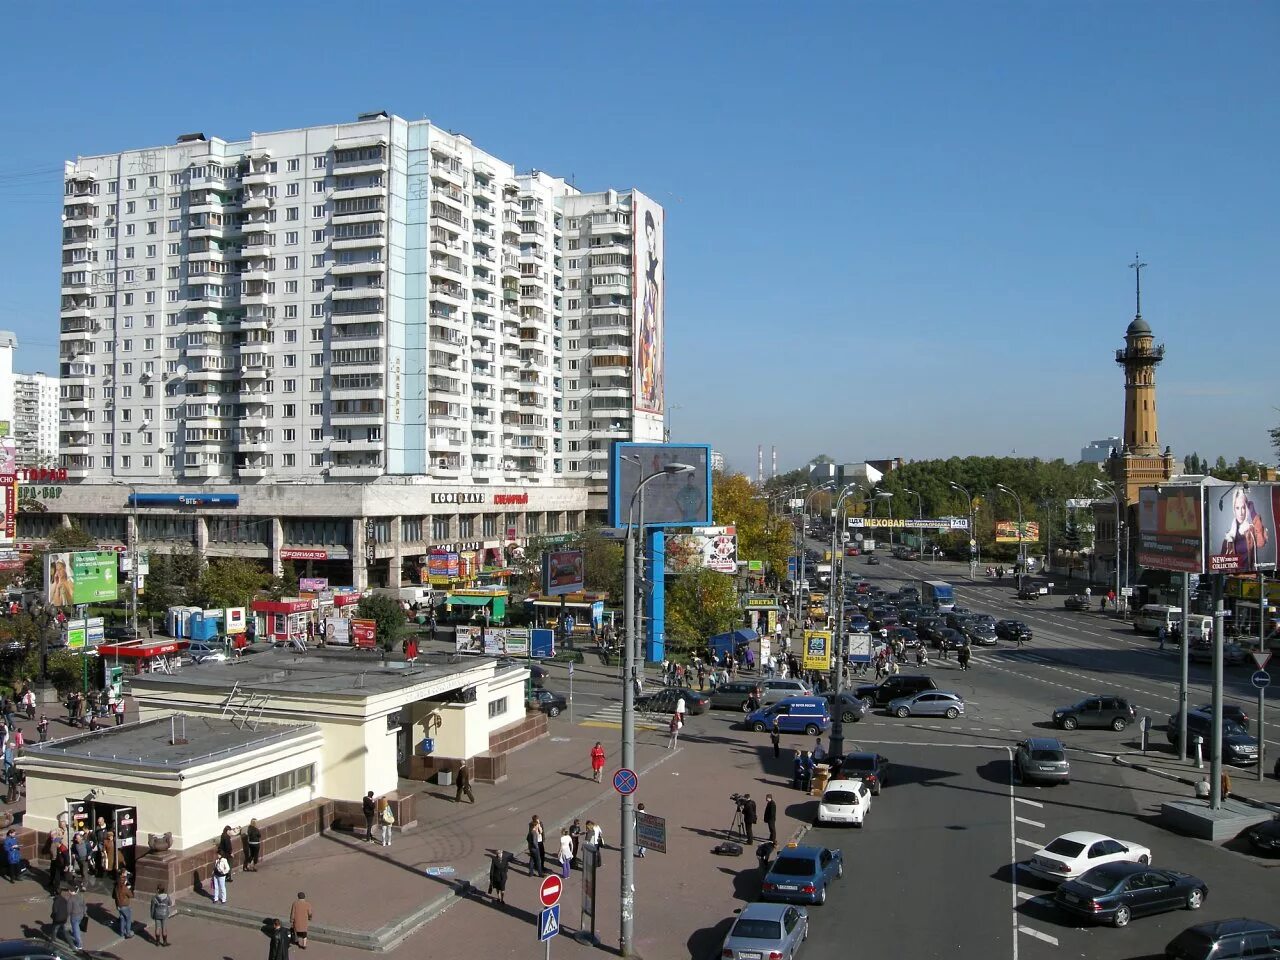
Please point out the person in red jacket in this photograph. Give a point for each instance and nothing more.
(597, 761)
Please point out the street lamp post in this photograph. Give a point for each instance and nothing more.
(919, 517)
(627, 829)
(804, 521)
(973, 529)
(836, 744)
(1115, 496)
(1022, 540)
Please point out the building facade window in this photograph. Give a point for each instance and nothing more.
(262, 790)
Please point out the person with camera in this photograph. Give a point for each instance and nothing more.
(748, 807)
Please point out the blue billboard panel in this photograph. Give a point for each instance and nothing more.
(671, 500)
(184, 499)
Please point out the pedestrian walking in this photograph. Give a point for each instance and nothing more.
(640, 849)
(533, 840)
(1226, 784)
(119, 711)
(370, 809)
(498, 875)
(221, 870)
(253, 846)
(59, 915)
(226, 847)
(597, 840)
(673, 729)
(1162, 635)
(566, 853)
(575, 832)
(42, 729)
(963, 657)
(597, 761)
(749, 817)
(388, 818)
(123, 897)
(12, 856)
(464, 784)
(77, 914)
(771, 817)
(80, 855)
(775, 738)
(299, 917)
(59, 859)
(161, 910)
(279, 942)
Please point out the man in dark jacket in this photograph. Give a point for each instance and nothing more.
(60, 913)
(370, 809)
(464, 784)
(771, 817)
(749, 817)
(279, 943)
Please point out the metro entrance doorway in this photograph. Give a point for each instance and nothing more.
(121, 821)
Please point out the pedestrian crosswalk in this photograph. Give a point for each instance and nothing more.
(610, 716)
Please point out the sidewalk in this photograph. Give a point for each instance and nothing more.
(1245, 785)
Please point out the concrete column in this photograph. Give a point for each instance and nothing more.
(66, 520)
(655, 635)
(201, 538)
(397, 554)
(359, 572)
(274, 543)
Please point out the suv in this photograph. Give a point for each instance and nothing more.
(900, 685)
(735, 696)
(1013, 630)
(1042, 758)
(1114, 712)
(1237, 745)
(1225, 939)
(779, 688)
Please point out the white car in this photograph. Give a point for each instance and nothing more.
(1073, 853)
(844, 801)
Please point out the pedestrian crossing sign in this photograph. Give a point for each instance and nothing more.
(549, 923)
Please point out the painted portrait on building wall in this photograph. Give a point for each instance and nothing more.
(647, 303)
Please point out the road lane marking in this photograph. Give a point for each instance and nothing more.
(1029, 896)
(1030, 823)
(1013, 854)
(1029, 931)
(1029, 843)
(1030, 803)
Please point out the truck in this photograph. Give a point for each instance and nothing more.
(937, 594)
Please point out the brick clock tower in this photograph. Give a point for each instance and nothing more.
(1140, 461)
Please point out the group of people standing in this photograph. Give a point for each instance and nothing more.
(576, 840)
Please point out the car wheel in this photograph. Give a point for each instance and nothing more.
(553, 711)
(746, 706)
(875, 792)
(822, 894)
(903, 712)
(811, 730)
(1118, 724)
(1069, 723)
(758, 727)
(850, 717)
(1195, 899)
(868, 702)
(840, 866)
(1121, 918)
(952, 713)
(1144, 859)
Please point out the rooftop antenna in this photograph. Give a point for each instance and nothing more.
(1137, 267)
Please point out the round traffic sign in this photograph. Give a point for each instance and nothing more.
(858, 537)
(625, 781)
(1261, 679)
(549, 892)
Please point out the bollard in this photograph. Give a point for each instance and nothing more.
(1197, 742)
(1145, 727)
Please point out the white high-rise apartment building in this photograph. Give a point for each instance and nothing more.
(35, 419)
(8, 347)
(342, 302)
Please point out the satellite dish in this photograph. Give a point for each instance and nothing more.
(182, 370)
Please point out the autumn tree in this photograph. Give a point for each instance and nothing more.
(762, 535)
(700, 604)
(229, 582)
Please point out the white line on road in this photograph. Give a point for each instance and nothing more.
(1013, 854)
(1030, 843)
(1030, 803)
(1037, 934)
(1030, 823)
(1028, 896)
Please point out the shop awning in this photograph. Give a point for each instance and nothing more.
(470, 601)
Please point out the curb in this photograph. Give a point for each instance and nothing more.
(1169, 775)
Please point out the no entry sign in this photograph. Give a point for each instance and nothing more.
(549, 892)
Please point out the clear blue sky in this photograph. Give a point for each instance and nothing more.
(893, 229)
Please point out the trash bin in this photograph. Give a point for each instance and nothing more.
(444, 778)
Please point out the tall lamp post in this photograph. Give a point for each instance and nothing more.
(1022, 539)
(804, 521)
(836, 744)
(919, 517)
(628, 826)
(973, 527)
(1115, 496)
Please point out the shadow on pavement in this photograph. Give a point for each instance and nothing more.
(704, 943)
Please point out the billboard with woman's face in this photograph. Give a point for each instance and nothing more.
(647, 302)
(86, 576)
(1241, 527)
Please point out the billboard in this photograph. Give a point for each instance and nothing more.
(647, 296)
(8, 458)
(563, 571)
(1240, 527)
(312, 584)
(8, 512)
(673, 500)
(1007, 531)
(442, 567)
(87, 576)
(1170, 531)
(909, 523)
(817, 650)
(710, 548)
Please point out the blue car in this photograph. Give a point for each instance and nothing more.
(808, 715)
(801, 874)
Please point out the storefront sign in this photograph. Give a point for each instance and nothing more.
(313, 584)
(510, 499)
(457, 498)
(42, 474)
(184, 499)
(290, 553)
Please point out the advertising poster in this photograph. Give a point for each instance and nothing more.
(711, 548)
(312, 584)
(466, 639)
(1170, 531)
(76, 633)
(517, 642)
(671, 499)
(8, 458)
(817, 650)
(649, 289)
(87, 576)
(235, 621)
(442, 567)
(563, 571)
(337, 630)
(8, 512)
(495, 642)
(364, 634)
(1007, 531)
(1241, 527)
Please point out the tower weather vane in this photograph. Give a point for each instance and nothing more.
(1136, 267)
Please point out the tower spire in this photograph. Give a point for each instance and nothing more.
(1136, 267)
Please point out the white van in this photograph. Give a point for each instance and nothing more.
(1153, 616)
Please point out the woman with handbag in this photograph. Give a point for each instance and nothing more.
(161, 909)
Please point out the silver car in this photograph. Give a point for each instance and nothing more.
(930, 703)
(780, 688)
(766, 930)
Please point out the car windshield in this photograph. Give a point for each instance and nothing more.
(1232, 729)
(1047, 756)
(748, 929)
(793, 866)
(859, 763)
(1065, 848)
(836, 798)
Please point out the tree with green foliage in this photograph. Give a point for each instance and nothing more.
(761, 535)
(285, 585)
(62, 538)
(700, 604)
(1274, 433)
(385, 611)
(229, 582)
(170, 579)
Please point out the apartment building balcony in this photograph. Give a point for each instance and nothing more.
(360, 242)
(251, 471)
(484, 375)
(452, 292)
(76, 373)
(351, 471)
(450, 172)
(611, 364)
(257, 201)
(79, 215)
(446, 466)
(358, 216)
(74, 346)
(205, 202)
(441, 315)
(363, 391)
(256, 225)
(256, 444)
(441, 441)
(372, 414)
(70, 440)
(346, 162)
(370, 267)
(362, 190)
(446, 217)
(203, 415)
(78, 466)
(78, 321)
(77, 309)
(208, 376)
(357, 445)
(360, 308)
(210, 231)
(77, 281)
(201, 471)
(360, 335)
(259, 177)
(447, 386)
(255, 270)
(255, 321)
(257, 297)
(78, 239)
(359, 293)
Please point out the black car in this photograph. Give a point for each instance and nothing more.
(552, 704)
(1114, 712)
(905, 635)
(927, 627)
(870, 768)
(948, 639)
(41, 950)
(537, 672)
(957, 620)
(899, 685)
(668, 698)
(1238, 746)
(873, 560)
(1014, 631)
(1115, 892)
(1028, 592)
(1229, 712)
(1216, 939)
(851, 709)
(1077, 601)
(1265, 837)
(980, 632)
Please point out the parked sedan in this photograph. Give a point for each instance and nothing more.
(851, 709)
(1118, 891)
(802, 874)
(1072, 854)
(668, 698)
(948, 639)
(552, 704)
(844, 801)
(766, 930)
(870, 768)
(1265, 837)
(1230, 711)
(931, 703)
(1114, 712)
(1014, 631)
(1077, 601)
(1232, 654)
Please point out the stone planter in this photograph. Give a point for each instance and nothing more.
(159, 843)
